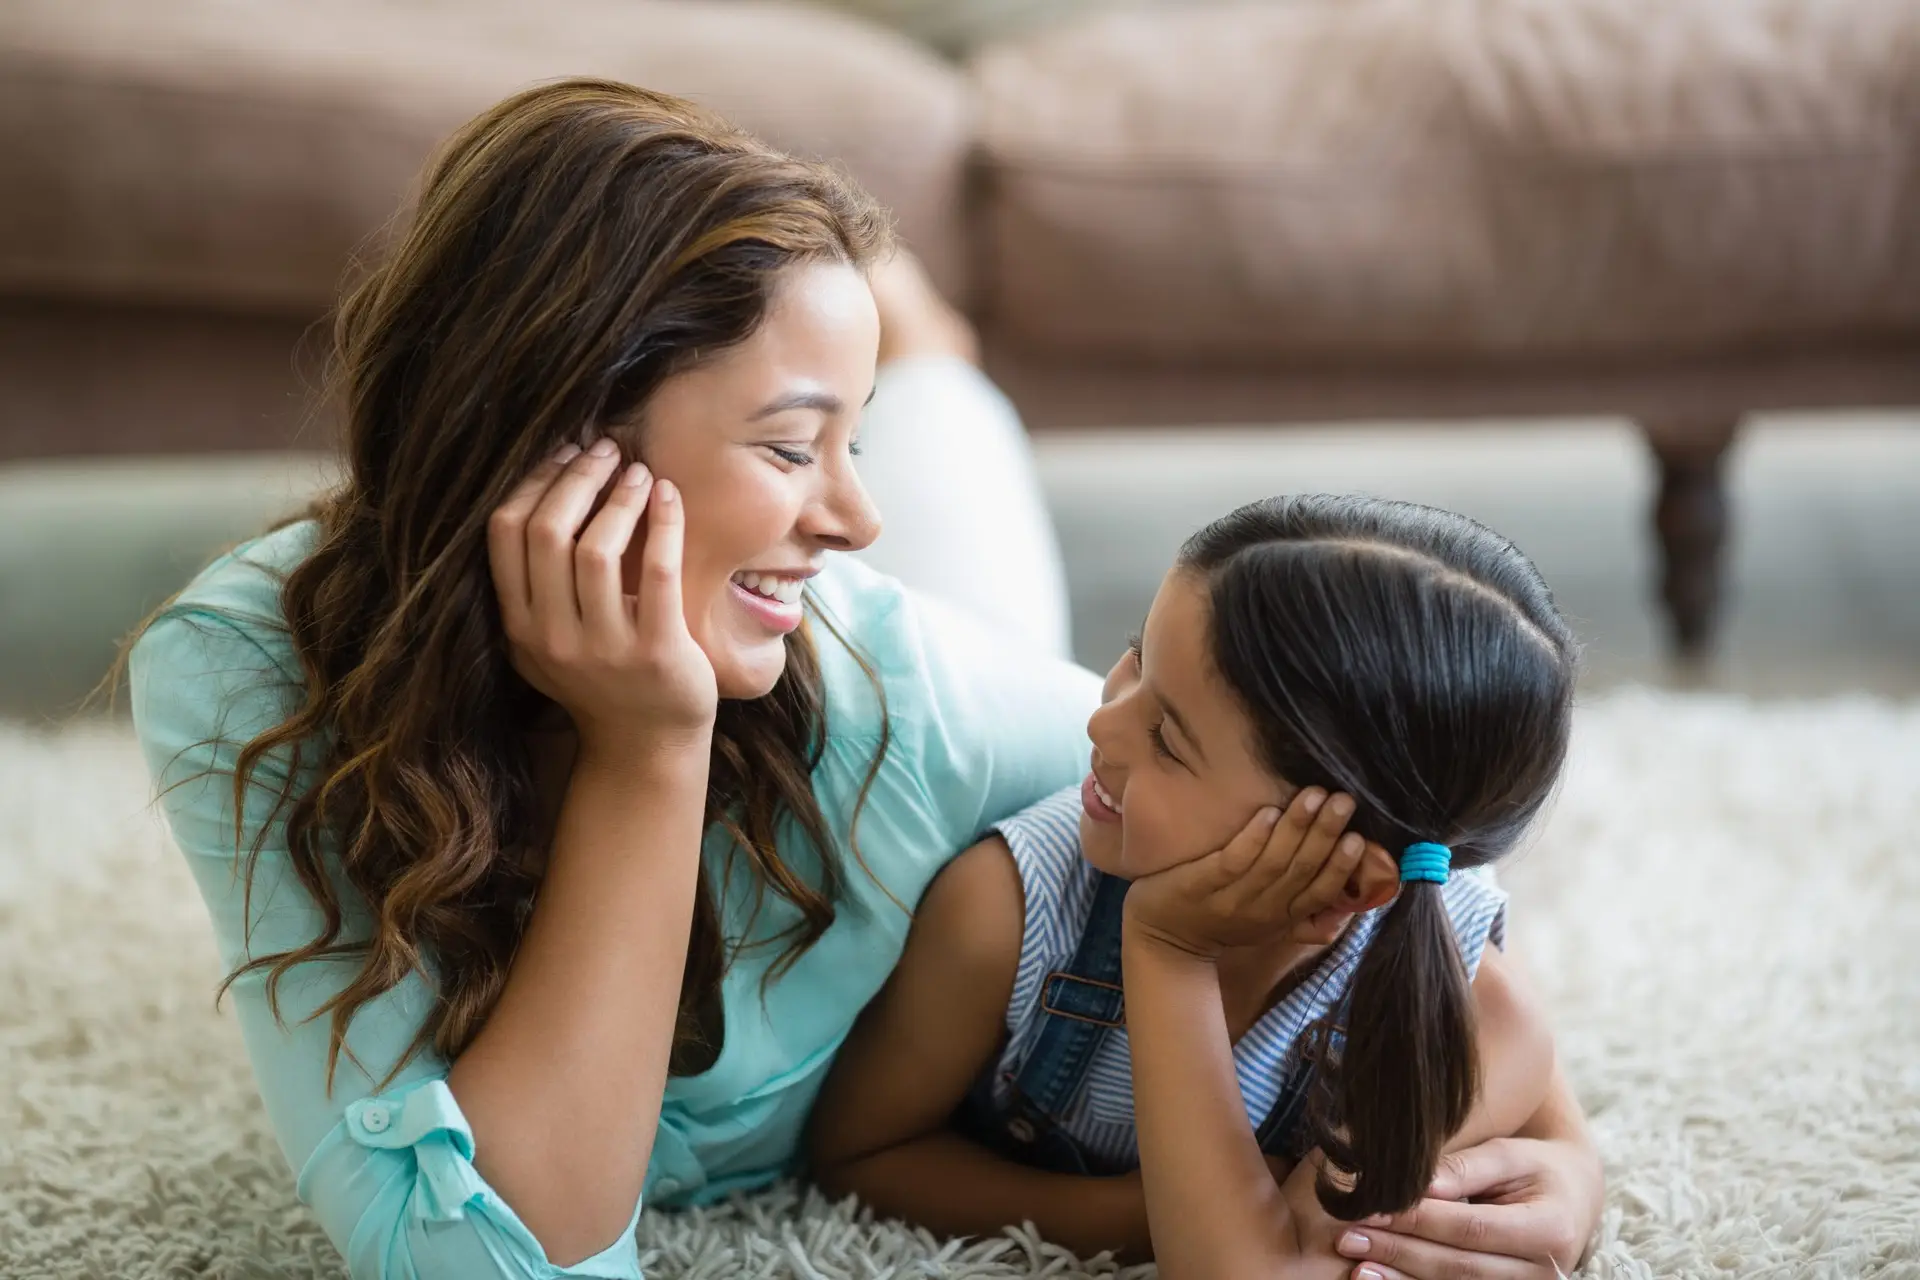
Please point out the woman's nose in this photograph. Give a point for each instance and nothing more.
(844, 518)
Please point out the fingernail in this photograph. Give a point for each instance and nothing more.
(1313, 799)
(1342, 806)
(1354, 1245)
(665, 492)
(1351, 845)
(604, 447)
(566, 452)
(1269, 816)
(1371, 1273)
(1377, 1220)
(634, 476)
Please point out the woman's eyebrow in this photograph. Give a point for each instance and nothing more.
(825, 401)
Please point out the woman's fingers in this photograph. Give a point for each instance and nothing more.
(661, 608)
(1386, 1256)
(507, 536)
(553, 527)
(602, 547)
(1484, 1168)
(1519, 1230)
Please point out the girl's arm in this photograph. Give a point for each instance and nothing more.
(1212, 1198)
(1211, 1194)
(880, 1131)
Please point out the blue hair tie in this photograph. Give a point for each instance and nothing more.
(1426, 861)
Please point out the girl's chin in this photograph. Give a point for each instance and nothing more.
(1099, 848)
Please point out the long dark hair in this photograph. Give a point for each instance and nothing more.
(572, 248)
(1414, 659)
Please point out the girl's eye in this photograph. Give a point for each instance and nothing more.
(853, 447)
(1133, 649)
(792, 457)
(1160, 744)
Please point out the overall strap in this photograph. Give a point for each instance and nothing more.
(1283, 1132)
(1078, 1006)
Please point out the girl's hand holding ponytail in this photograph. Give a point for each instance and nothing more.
(1279, 871)
(624, 666)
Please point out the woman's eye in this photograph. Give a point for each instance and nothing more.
(792, 457)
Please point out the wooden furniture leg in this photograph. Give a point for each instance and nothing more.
(1690, 520)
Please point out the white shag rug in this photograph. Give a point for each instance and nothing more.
(1724, 911)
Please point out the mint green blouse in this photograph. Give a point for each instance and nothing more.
(978, 732)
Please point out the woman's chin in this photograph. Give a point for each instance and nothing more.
(748, 671)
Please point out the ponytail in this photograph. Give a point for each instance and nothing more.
(1405, 1077)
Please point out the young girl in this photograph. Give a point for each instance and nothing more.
(1104, 1028)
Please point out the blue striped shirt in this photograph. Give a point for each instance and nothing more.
(1059, 886)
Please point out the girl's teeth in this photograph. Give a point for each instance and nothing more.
(1105, 799)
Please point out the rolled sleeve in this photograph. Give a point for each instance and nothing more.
(395, 1187)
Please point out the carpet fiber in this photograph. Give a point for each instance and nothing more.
(1724, 911)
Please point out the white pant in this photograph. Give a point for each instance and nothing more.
(963, 516)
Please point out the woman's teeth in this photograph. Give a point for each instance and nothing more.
(771, 585)
(1105, 799)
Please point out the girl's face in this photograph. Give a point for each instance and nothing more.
(1175, 774)
(760, 441)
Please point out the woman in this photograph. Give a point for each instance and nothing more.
(556, 794)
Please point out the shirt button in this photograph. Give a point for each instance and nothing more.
(376, 1118)
(668, 1187)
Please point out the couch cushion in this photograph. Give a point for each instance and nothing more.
(234, 152)
(1424, 179)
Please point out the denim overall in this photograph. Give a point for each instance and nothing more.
(1080, 1005)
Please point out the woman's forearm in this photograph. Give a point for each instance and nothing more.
(955, 1187)
(1214, 1207)
(562, 1086)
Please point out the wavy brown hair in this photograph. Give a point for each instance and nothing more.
(572, 247)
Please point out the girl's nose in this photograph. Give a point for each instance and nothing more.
(1103, 730)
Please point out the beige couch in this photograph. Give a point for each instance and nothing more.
(1678, 210)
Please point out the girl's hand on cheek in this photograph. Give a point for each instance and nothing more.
(1280, 870)
(625, 667)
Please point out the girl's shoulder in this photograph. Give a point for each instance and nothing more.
(1477, 909)
(1058, 885)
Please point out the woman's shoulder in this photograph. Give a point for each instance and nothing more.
(889, 653)
(233, 601)
(216, 661)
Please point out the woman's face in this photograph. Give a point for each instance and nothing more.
(760, 441)
(1174, 772)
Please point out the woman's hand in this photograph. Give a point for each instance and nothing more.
(624, 667)
(1533, 1207)
(1280, 870)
